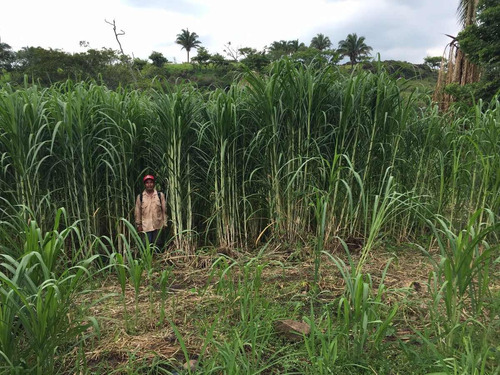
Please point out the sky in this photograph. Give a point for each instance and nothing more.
(407, 30)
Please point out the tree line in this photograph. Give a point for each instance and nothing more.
(113, 67)
(353, 47)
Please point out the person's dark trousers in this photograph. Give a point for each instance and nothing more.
(155, 239)
(152, 236)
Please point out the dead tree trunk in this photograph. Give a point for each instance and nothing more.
(126, 58)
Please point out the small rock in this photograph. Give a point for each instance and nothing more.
(171, 338)
(416, 285)
(292, 329)
(190, 365)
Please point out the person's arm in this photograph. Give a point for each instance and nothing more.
(138, 214)
(164, 209)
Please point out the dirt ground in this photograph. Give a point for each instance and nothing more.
(191, 299)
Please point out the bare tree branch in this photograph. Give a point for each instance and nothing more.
(117, 35)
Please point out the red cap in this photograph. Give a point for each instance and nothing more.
(148, 177)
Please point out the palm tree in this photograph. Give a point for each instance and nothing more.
(320, 42)
(294, 46)
(188, 40)
(354, 47)
(283, 48)
(467, 12)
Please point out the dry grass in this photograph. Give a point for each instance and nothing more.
(192, 304)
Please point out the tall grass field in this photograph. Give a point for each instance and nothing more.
(302, 194)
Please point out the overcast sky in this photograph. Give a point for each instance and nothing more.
(397, 29)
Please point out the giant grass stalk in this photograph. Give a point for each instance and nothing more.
(24, 143)
(172, 143)
(463, 270)
(242, 165)
(39, 322)
(223, 160)
(361, 313)
(289, 110)
(387, 206)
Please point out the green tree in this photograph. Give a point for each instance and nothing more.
(245, 51)
(139, 64)
(481, 41)
(202, 57)
(158, 59)
(218, 60)
(187, 40)
(277, 49)
(284, 48)
(481, 44)
(7, 56)
(433, 62)
(355, 48)
(459, 71)
(281, 48)
(320, 42)
(48, 66)
(96, 61)
(295, 46)
(256, 61)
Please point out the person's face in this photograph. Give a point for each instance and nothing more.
(149, 185)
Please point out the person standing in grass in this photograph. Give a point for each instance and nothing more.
(150, 214)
